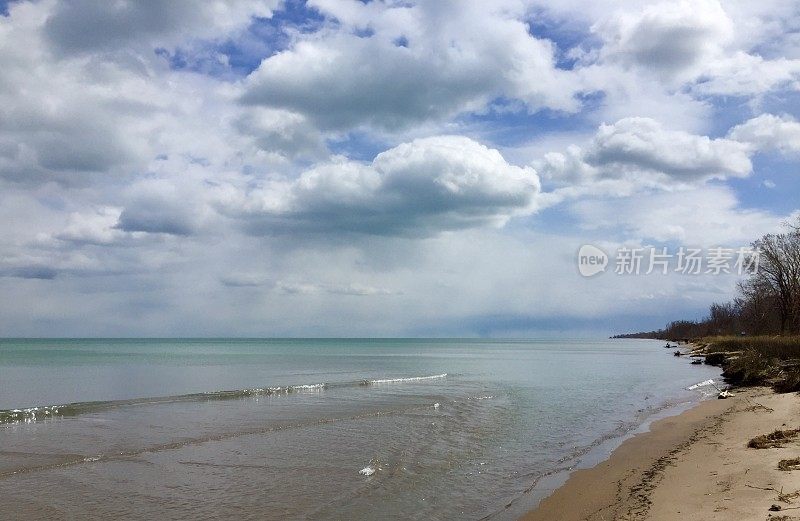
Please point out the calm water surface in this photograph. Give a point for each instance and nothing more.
(279, 429)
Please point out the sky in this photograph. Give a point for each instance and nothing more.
(384, 168)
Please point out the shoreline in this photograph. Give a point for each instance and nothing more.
(694, 465)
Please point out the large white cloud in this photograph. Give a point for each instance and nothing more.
(769, 132)
(708, 47)
(418, 62)
(644, 145)
(417, 188)
(641, 153)
(670, 38)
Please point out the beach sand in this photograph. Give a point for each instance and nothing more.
(692, 466)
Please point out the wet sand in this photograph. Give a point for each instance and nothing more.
(692, 466)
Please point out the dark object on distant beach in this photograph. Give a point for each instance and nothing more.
(788, 465)
(677, 353)
(775, 508)
(697, 361)
(667, 346)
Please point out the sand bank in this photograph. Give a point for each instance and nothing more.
(692, 466)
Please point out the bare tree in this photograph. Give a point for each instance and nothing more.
(779, 270)
(757, 306)
(723, 318)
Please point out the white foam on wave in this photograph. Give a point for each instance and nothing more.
(33, 414)
(409, 379)
(372, 468)
(29, 414)
(307, 387)
(284, 390)
(701, 384)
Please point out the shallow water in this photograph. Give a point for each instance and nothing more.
(279, 429)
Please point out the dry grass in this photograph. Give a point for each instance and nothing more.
(782, 347)
(789, 464)
(773, 439)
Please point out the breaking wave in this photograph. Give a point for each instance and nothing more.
(41, 412)
(410, 379)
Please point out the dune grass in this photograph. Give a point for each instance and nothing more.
(782, 347)
(757, 360)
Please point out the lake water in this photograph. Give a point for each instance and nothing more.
(280, 429)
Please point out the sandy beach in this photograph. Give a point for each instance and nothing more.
(692, 466)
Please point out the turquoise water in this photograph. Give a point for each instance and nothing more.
(279, 429)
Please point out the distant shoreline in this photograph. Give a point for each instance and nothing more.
(695, 465)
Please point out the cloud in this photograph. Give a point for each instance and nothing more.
(418, 188)
(743, 74)
(154, 217)
(294, 287)
(705, 216)
(455, 58)
(152, 187)
(769, 132)
(281, 131)
(162, 206)
(30, 272)
(640, 152)
(641, 144)
(65, 119)
(81, 26)
(84, 96)
(98, 227)
(246, 280)
(308, 288)
(710, 48)
(668, 38)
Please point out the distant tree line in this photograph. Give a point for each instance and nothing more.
(767, 302)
